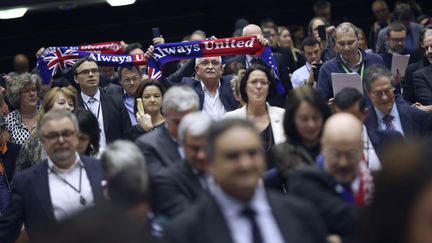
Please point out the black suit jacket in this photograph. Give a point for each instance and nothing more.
(282, 68)
(31, 200)
(408, 83)
(115, 91)
(117, 123)
(225, 92)
(415, 122)
(204, 222)
(422, 80)
(318, 188)
(380, 140)
(159, 149)
(9, 159)
(176, 188)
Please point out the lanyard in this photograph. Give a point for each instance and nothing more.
(88, 108)
(77, 190)
(348, 71)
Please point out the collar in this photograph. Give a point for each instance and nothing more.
(86, 97)
(393, 112)
(204, 88)
(59, 170)
(357, 64)
(232, 207)
(308, 66)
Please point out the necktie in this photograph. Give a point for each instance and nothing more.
(92, 105)
(250, 215)
(388, 122)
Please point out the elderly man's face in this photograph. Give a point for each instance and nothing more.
(87, 76)
(342, 154)
(59, 138)
(238, 161)
(427, 45)
(209, 68)
(381, 94)
(173, 119)
(194, 149)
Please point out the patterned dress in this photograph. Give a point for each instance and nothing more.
(16, 128)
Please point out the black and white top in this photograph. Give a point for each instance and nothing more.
(16, 128)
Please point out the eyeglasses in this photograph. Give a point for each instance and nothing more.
(87, 71)
(235, 155)
(380, 94)
(129, 80)
(350, 155)
(212, 62)
(54, 136)
(28, 90)
(398, 40)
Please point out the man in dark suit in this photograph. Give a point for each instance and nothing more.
(160, 147)
(385, 114)
(130, 78)
(214, 90)
(409, 89)
(228, 213)
(177, 187)
(112, 115)
(54, 188)
(374, 141)
(340, 183)
(248, 60)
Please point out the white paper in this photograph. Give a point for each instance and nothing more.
(342, 80)
(399, 64)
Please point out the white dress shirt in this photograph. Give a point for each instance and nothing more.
(65, 200)
(300, 76)
(239, 226)
(369, 152)
(213, 105)
(96, 109)
(396, 120)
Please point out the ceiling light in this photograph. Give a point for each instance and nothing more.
(116, 3)
(12, 13)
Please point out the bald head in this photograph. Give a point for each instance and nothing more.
(342, 147)
(21, 63)
(342, 126)
(252, 29)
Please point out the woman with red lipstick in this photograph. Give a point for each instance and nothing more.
(256, 86)
(22, 93)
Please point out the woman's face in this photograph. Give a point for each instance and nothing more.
(257, 87)
(152, 99)
(420, 223)
(362, 41)
(29, 95)
(62, 103)
(308, 121)
(285, 39)
(83, 142)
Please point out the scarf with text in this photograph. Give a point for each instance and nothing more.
(245, 45)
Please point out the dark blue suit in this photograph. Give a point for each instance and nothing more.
(31, 201)
(415, 122)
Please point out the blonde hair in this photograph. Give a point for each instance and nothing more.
(51, 95)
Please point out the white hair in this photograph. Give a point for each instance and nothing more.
(195, 124)
(180, 98)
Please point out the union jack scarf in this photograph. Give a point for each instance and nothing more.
(56, 59)
(245, 45)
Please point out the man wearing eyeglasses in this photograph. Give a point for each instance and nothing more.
(238, 208)
(111, 114)
(55, 188)
(130, 79)
(340, 183)
(385, 114)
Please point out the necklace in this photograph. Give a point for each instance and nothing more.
(28, 116)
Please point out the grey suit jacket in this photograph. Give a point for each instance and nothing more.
(204, 222)
(159, 149)
(415, 29)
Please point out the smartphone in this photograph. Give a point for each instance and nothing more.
(140, 105)
(316, 70)
(322, 32)
(266, 34)
(156, 32)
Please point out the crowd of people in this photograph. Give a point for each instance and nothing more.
(212, 152)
